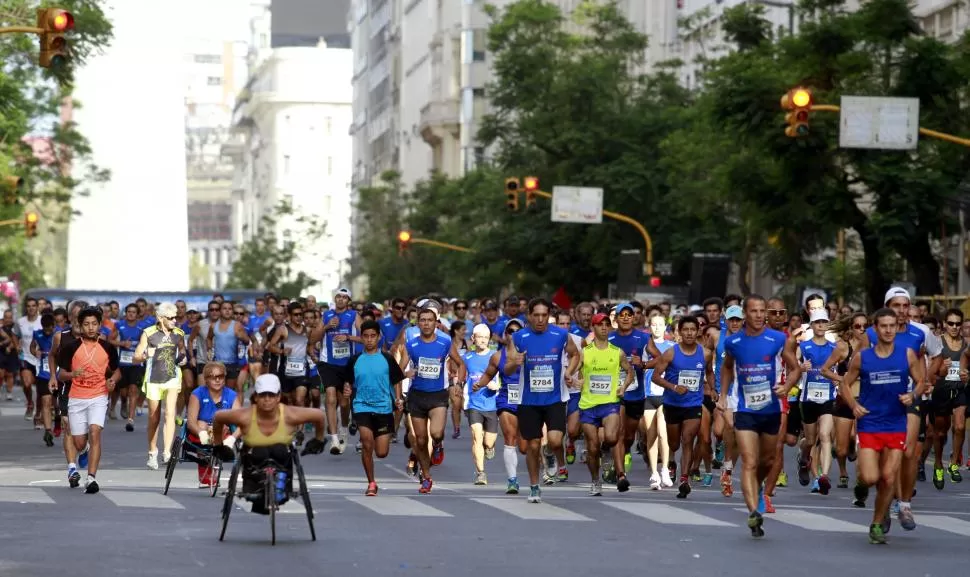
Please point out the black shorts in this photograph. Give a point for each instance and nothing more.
(760, 423)
(42, 387)
(10, 363)
(794, 426)
(677, 415)
(946, 399)
(331, 376)
(132, 375)
(291, 384)
(633, 410)
(232, 371)
(709, 404)
(25, 366)
(62, 398)
(487, 419)
(653, 403)
(421, 403)
(377, 423)
(533, 417)
(842, 410)
(811, 412)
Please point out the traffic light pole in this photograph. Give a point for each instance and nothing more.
(21, 30)
(11, 221)
(923, 131)
(647, 241)
(438, 244)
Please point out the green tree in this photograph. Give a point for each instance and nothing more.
(267, 260)
(31, 101)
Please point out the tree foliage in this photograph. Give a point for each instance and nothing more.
(37, 142)
(267, 260)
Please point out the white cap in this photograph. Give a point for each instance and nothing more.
(430, 305)
(268, 383)
(818, 315)
(896, 291)
(343, 291)
(482, 329)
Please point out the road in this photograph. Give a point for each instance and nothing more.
(457, 530)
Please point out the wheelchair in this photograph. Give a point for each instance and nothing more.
(267, 489)
(184, 450)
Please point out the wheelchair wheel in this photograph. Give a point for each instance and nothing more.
(269, 490)
(304, 493)
(230, 495)
(215, 474)
(173, 460)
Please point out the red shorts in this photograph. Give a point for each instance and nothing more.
(784, 405)
(880, 441)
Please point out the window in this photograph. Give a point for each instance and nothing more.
(479, 155)
(214, 81)
(479, 105)
(205, 256)
(329, 166)
(478, 45)
(208, 59)
(218, 256)
(286, 164)
(218, 282)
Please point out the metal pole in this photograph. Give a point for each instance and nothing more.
(962, 256)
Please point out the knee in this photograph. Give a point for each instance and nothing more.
(960, 426)
(382, 452)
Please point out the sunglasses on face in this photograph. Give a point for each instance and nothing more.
(217, 376)
(777, 312)
(949, 324)
(399, 308)
(461, 308)
(859, 327)
(169, 318)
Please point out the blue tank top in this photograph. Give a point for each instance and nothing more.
(541, 378)
(756, 369)
(689, 371)
(817, 388)
(224, 343)
(44, 345)
(339, 352)
(719, 359)
(390, 330)
(510, 395)
(208, 408)
(631, 345)
(429, 363)
(127, 332)
(881, 381)
(484, 398)
(911, 338)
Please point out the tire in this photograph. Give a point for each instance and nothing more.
(230, 495)
(215, 466)
(304, 494)
(173, 461)
(269, 490)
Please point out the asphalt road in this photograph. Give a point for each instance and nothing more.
(459, 529)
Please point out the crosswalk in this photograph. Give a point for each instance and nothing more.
(559, 508)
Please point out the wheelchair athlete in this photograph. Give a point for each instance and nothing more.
(204, 401)
(267, 428)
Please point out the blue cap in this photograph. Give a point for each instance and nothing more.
(620, 307)
(734, 312)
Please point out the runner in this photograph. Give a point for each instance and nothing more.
(479, 402)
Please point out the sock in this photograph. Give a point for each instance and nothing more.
(511, 458)
(728, 466)
(71, 466)
(904, 505)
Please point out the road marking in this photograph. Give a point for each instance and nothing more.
(398, 507)
(294, 506)
(813, 521)
(141, 499)
(532, 511)
(24, 495)
(945, 523)
(666, 514)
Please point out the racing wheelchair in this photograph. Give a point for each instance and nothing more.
(184, 450)
(265, 485)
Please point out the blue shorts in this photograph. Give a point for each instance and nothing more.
(595, 415)
(573, 405)
(761, 423)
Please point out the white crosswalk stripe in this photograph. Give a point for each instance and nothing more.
(398, 506)
(667, 515)
(813, 521)
(945, 523)
(532, 511)
(141, 499)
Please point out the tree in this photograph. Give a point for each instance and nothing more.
(199, 274)
(267, 260)
(36, 143)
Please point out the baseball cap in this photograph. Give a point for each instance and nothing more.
(896, 291)
(600, 317)
(343, 291)
(482, 329)
(818, 315)
(624, 307)
(734, 312)
(268, 383)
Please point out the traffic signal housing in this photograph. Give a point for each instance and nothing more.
(655, 282)
(403, 241)
(531, 186)
(512, 194)
(798, 103)
(30, 224)
(54, 23)
(13, 187)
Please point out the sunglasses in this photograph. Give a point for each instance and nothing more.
(217, 376)
(169, 318)
(949, 324)
(461, 308)
(859, 327)
(777, 311)
(399, 308)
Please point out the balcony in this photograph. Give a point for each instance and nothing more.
(439, 118)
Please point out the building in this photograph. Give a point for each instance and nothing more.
(291, 127)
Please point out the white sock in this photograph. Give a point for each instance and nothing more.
(511, 457)
(728, 466)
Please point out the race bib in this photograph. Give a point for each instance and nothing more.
(817, 392)
(241, 351)
(515, 394)
(600, 384)
(540, 379)
(953, 371)
(44, 367)
(429, 368)
(341, 350)
(690, 379)
(127, 357)
(295, 368)
(757, 396)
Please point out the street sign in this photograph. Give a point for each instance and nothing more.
(664, 268)
(577, 204)
(879, 123)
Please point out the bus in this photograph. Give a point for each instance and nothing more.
(194, 300)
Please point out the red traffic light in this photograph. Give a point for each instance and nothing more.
(655, 281)
(61, 20)
(531, 184)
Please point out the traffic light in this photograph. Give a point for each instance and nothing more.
(798, 102)
(655, 282)
(403, 241)
(13, 187)
(54, 23)
(531, 186)
(512, 192)
(30, 224)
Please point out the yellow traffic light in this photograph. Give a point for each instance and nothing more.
(13, 187)
(403, 241)
(799, 102)
(30, 224)
(512, 193)
(531, 186)
(54, 23)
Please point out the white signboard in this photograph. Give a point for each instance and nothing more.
(577, 204)
(879, 123)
